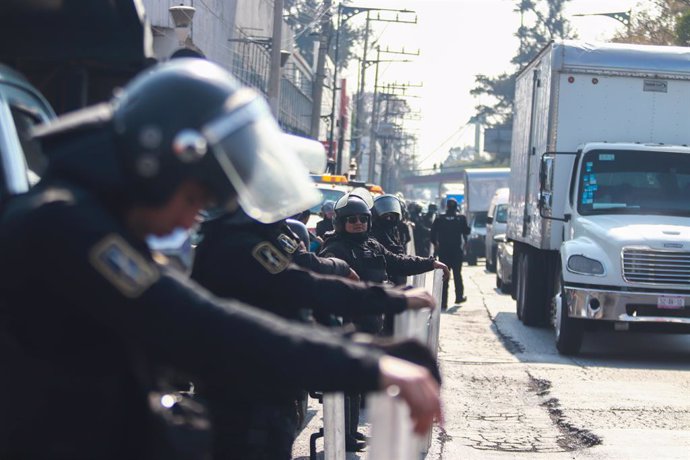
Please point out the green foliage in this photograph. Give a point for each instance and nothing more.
(683, 29)
(306, 19)
(541, 22)
(656, 22)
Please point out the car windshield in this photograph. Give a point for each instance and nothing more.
(479, 220)
(634, 182)
(502, 213)
(327, 195)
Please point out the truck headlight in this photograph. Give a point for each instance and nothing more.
(585, 266)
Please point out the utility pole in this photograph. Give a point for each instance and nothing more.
(320, 76)
(344, 14)
(375, 109)
(275, 74)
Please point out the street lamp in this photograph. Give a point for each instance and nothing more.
(621, 16)
(182, 19)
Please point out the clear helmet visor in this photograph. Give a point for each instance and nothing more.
(270, 179)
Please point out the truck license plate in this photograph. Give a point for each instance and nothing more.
(670, 303)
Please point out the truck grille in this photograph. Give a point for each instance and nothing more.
(651, 266)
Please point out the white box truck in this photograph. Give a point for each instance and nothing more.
(600, 190)
(480, 185)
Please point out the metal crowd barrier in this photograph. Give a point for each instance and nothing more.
(392, 436)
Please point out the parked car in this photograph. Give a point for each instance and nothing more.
(496, 222)
(474, 249)
(504, 264)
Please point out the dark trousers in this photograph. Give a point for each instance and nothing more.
(455, 265)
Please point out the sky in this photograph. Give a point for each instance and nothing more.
(457, 40)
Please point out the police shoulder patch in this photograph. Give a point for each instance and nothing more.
(270, 257)
(123, 266)
(288, 244)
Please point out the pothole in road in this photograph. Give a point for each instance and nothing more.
(573, 438)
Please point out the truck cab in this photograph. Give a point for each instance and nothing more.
(625, 258)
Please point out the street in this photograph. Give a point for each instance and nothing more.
(508, 394)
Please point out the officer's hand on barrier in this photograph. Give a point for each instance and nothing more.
(418, 298)
(416, 386)
(353, 275)
(444, 267)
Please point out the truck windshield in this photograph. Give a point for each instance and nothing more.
(502, 213)
(634, 182)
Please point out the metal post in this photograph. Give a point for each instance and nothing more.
(334, 426)
(360, 93)
(372, 136)
(335, 89)
(320, 74)
(274, 75)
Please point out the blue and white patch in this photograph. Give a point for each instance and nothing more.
(123, 266)
(270, 257)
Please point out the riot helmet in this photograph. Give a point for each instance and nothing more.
(187, 119)
(347, 206)
(300, 230)
(328, 209)
(387, 204)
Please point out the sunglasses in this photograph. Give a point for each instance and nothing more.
(363, 219)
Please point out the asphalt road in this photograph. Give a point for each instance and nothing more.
(508, 393)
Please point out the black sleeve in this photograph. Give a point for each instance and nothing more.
(400, 264)
(341, 296)
(433, 233)
(227, 268)
(466, 230)
(179, 322)
(323, 265)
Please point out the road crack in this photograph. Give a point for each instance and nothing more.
(573, 438)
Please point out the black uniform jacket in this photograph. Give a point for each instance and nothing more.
(448, 231)
(389, 236)
(252, 263)
(85, 315)
(371, 260)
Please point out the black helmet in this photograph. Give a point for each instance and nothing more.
(385, 204)
(184, 119)
(349, 205)
(451, 205)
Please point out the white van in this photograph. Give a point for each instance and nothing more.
(496, 222)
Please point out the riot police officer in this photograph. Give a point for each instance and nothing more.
(448, 232)
(372, 262)
(325, 225)
(242, 258)
(91, 326)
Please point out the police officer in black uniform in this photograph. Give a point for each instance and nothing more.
(90, 325)
(372, 262)
(325, 225)
(448, 233)
(242, 258)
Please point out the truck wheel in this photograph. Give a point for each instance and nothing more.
(499, 283)
(505, 288)
(569, 331)
(530, 295)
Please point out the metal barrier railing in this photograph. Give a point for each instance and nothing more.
(392, 435)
